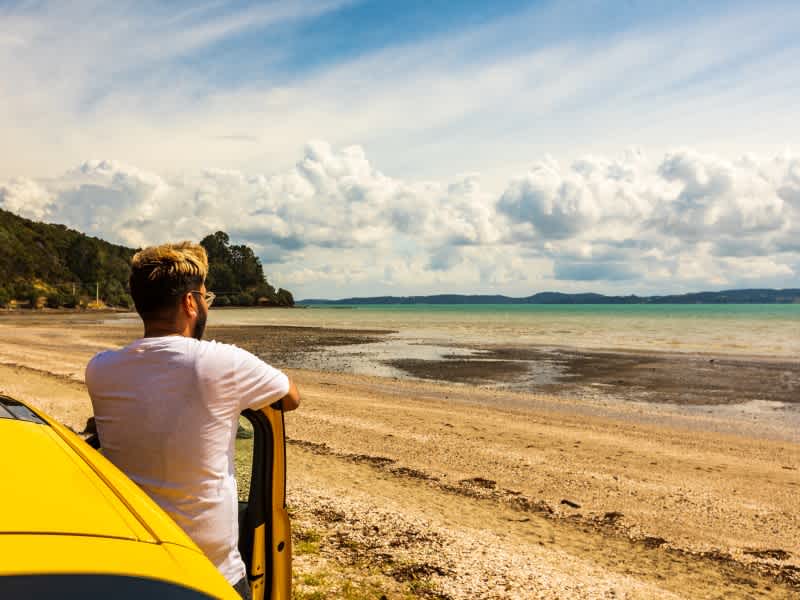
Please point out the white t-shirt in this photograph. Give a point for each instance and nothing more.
(167, 410)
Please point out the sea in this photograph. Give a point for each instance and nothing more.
(760, 330)
(438, 332)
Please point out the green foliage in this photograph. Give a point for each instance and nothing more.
(53, 300)
(116, 294)
(264, 290)
(235, 274)
(67, 265)
(5, 297)
(69, 300)
(27, 294)
(216, 246)
(246, 266)
(244, 299)
(285, 298)
(221, 277)
(307, 541)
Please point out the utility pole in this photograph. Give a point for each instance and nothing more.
(97, 295)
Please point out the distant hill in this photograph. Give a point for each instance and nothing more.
(60, 264)
(65, 268)
(755, 296)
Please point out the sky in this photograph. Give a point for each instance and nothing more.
(426, 146)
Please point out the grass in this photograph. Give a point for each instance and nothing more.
(243, 461)
(318, 576)
(323, 585)
(306, 541)
(309, 595)
(312, 579)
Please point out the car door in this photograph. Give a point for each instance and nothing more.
(264, 530)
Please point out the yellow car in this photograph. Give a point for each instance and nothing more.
(73, 526)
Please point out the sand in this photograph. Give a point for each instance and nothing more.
(410, 488)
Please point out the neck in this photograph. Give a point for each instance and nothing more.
(161, 329)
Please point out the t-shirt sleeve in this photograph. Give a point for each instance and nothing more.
(91, 374)
(258, 383)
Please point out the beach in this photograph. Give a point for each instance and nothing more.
(446, 463)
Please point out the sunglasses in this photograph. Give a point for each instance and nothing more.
(207, 296)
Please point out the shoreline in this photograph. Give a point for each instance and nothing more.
(47, 315)
(756, 396)
(573, 497)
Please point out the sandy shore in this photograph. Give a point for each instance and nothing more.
(409, 488)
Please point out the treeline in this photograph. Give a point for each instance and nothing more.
(42, 264)
(236, 276)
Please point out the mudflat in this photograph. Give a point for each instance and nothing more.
(631, 476)
(651, 377)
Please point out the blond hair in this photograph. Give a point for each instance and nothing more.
(159, 274)
(170, 260)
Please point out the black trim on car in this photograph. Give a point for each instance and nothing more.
(14, 409)
(93, 587)
(258, 509)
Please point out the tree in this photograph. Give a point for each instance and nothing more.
(83, 259)
(236, 272)
(115, 294)
(245, 299)
(216, 246)
(48, 254)
(54, 300)
(265, 290)
(222, 278)
(31, 251)
(285, 298)
(246, 266)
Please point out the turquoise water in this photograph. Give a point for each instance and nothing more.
(656, 310)
(750, 329)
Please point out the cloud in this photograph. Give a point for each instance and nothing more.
(556, 205)
(718, 197)
(593, 271)
(25, 197)
(599, 194)
(334, 224)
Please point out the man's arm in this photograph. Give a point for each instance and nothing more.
(257, 384)
(291, 400)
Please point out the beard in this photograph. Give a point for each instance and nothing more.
(200, 325)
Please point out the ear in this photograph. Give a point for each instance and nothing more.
(189, 305)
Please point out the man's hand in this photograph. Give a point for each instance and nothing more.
(291, 400)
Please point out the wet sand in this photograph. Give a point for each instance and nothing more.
(438, 489)
(654, 377)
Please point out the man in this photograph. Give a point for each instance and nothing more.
(167, 405)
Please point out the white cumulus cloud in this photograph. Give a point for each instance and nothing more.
(335, 225)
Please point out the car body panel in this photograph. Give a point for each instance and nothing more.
(37, 512)
(38, 554)
(281, 533)
(153, 523)
(66, 510)
(265, 530)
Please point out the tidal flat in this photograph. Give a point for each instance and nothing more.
(608, 474)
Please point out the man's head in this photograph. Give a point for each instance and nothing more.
(167, 285)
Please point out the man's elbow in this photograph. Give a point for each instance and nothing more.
(291, 400)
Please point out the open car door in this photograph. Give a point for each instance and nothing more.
(265, 541)
(264, 531)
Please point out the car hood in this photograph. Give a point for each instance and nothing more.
(47, 488)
